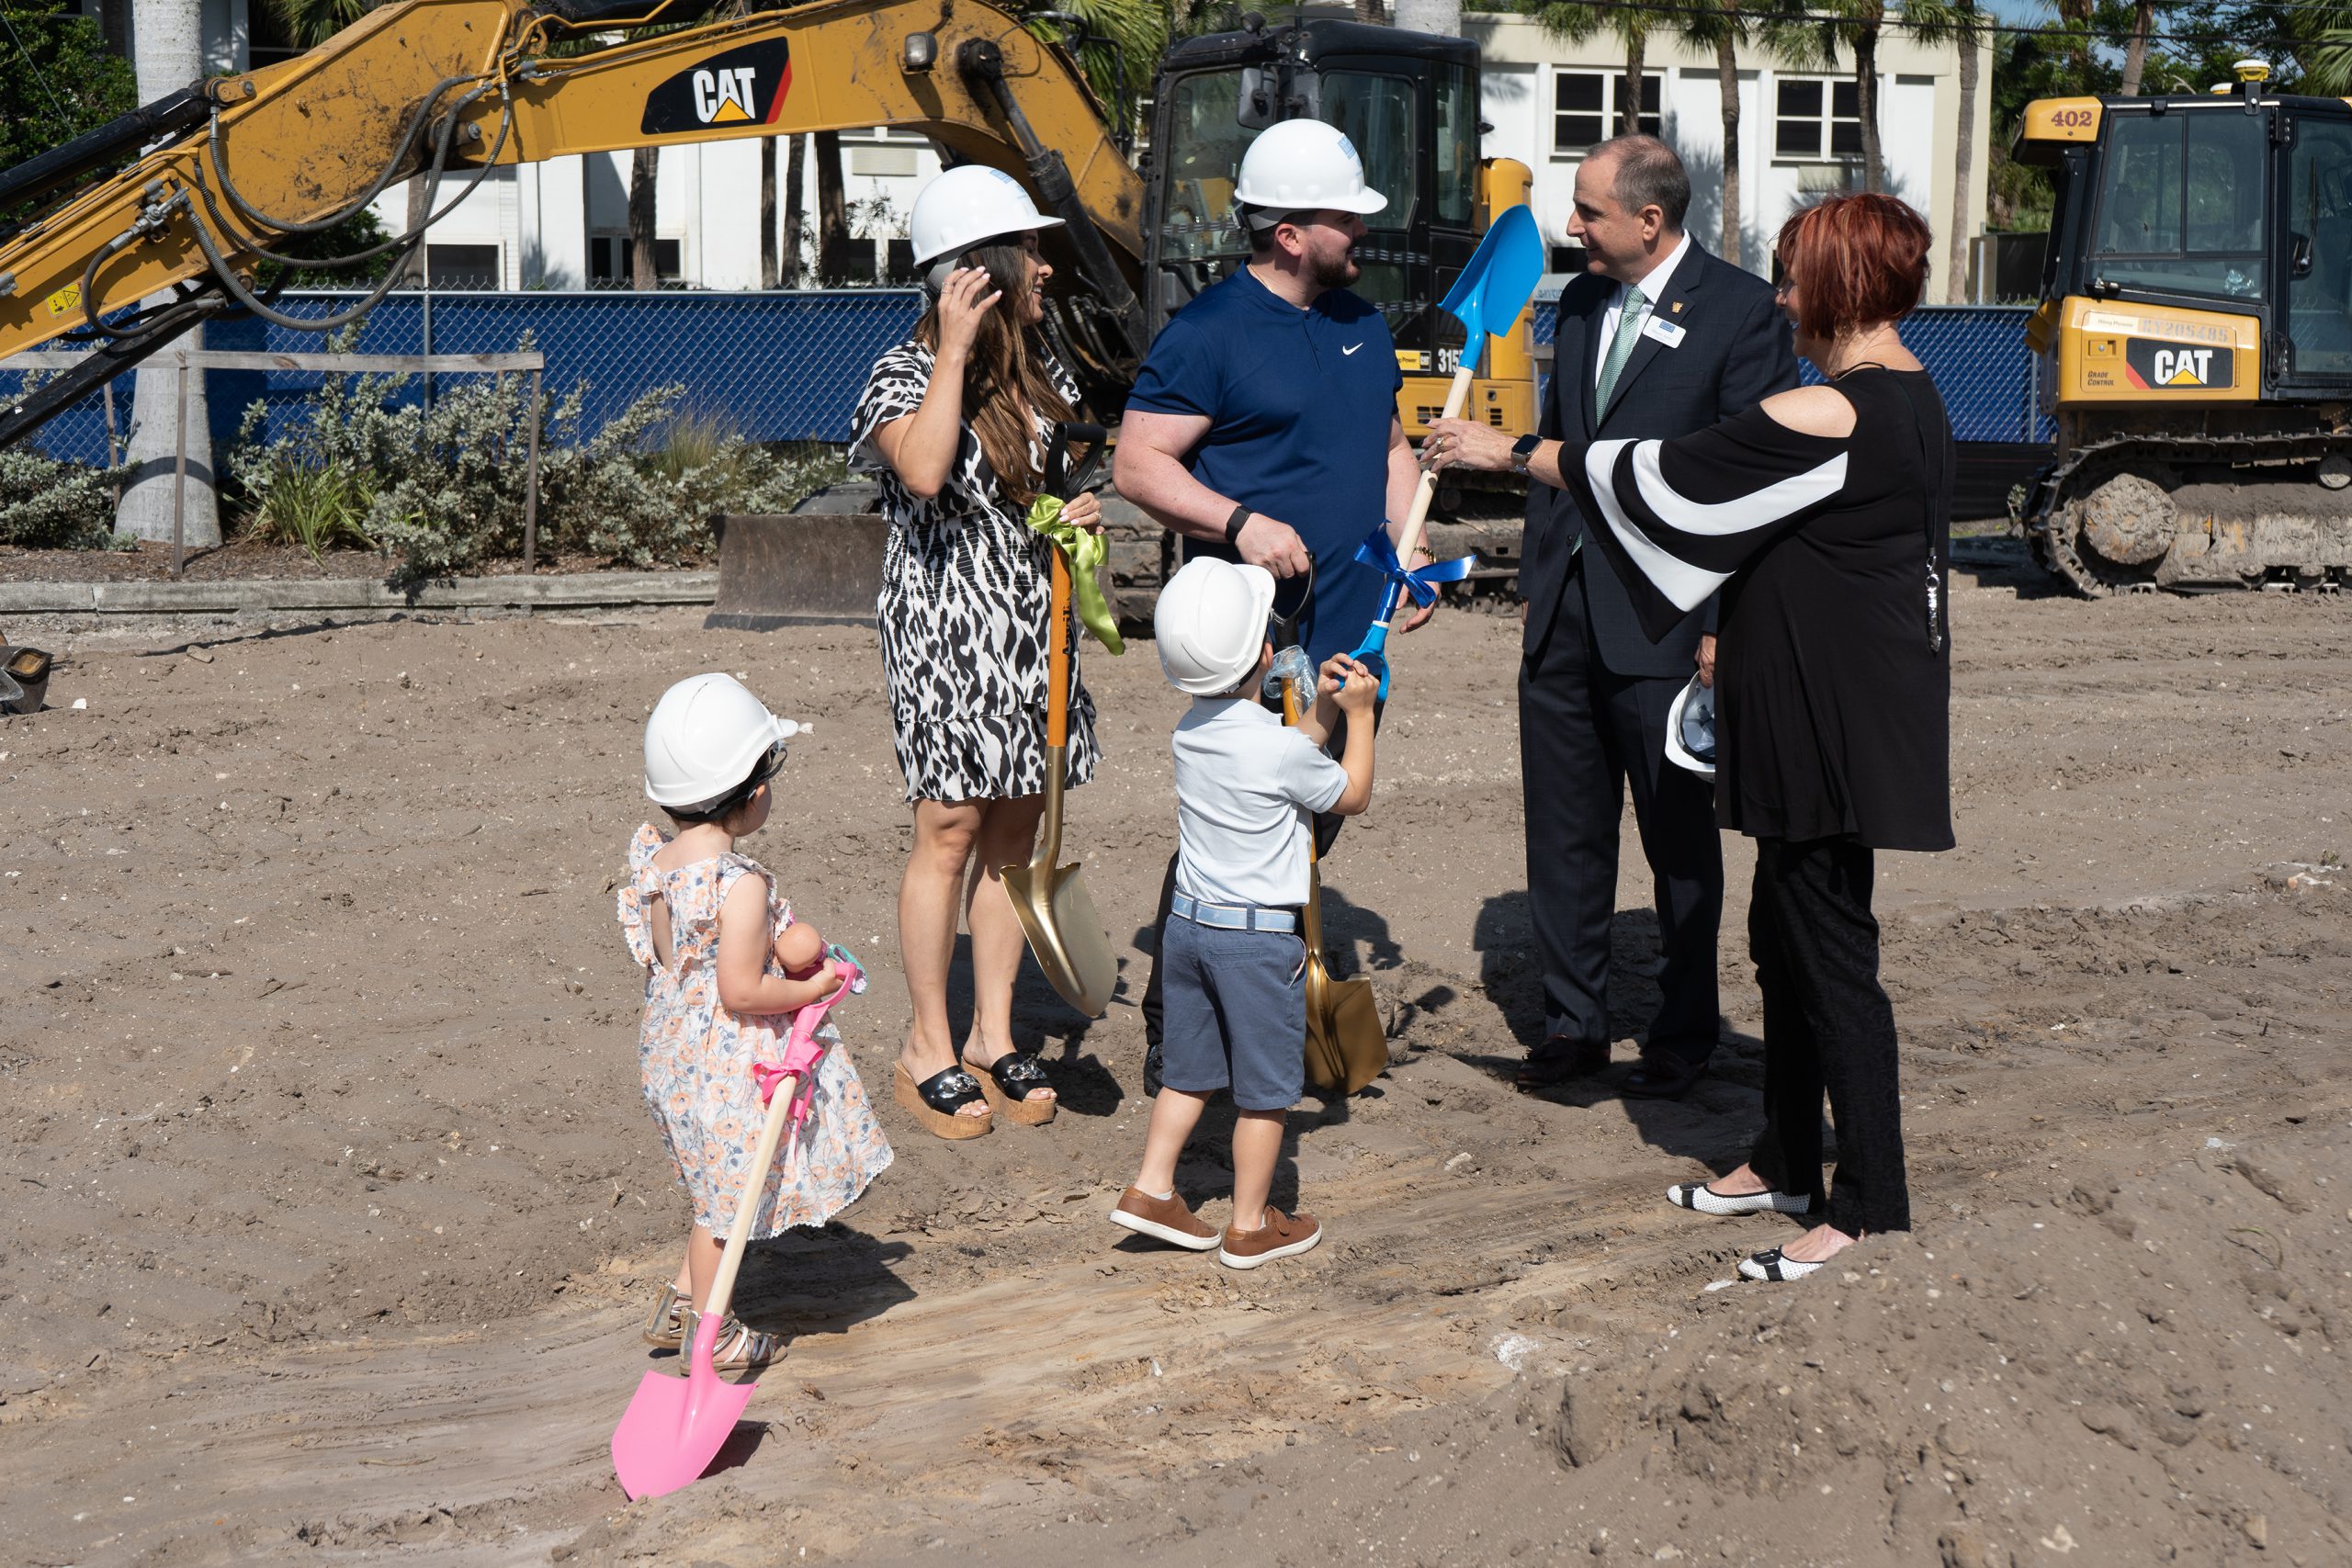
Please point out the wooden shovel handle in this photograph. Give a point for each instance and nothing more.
(739, 1234)
(1456, 399)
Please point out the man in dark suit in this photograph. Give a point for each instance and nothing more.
(1657, 339)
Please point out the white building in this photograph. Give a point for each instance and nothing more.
(563, 224)
(1799, 136)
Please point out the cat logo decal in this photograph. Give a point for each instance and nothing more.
(737, 86)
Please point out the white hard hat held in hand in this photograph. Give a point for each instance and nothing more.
(1303, 165)
(1211, 623)
(707, 739)
(966, 206)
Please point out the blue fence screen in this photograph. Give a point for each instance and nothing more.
(788, 366)
(1977, 355)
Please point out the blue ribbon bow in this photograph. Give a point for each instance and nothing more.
(1378, 551)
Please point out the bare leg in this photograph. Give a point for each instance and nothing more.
(1174, 1114)
(1257, 1144)
(928, 893)
(1007, 835)
(703, 1252)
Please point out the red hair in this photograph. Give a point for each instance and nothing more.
(1858, 260)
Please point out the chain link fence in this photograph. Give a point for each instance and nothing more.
(789, 365)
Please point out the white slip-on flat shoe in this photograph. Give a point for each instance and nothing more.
(1773, 1265)
(1705, 1199)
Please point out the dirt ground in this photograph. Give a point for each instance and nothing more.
(334, 1210)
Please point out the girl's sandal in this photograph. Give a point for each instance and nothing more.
(666, 1328)
(934, 1102)
(739, 1349)
(1009, 1081)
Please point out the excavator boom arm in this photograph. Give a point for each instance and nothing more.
(449, 87)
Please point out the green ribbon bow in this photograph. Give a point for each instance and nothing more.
(1085, 554)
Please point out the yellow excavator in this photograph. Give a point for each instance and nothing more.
(243, 170)
(2195, 333)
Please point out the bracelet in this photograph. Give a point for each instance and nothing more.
(1233, 524)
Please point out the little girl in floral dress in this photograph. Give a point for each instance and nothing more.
(706, 922)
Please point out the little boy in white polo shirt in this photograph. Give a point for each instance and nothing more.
(1232, 961)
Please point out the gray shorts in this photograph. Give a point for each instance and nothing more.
(1236, 1013)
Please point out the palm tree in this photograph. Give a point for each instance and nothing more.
(832, 211)
(1134, 35)
(1816, 41)
(796, 210)
(644, 187)
(167, 53)
(1723, 30)
(2135, 53)
(1966, 27)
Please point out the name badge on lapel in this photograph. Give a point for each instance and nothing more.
(1666, 331)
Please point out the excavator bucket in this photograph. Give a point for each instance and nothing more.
(817, 566)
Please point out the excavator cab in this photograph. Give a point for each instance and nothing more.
(2196, 329)
(1410, 102)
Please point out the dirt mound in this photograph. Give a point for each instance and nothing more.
(2134, 1372)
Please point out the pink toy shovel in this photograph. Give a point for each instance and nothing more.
(675, 1427)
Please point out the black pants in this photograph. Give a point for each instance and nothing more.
(1828, 1025)
(1586, 734)
(1327, 833)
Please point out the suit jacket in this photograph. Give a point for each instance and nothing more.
(1736, 352)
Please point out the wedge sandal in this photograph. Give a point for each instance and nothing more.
(936, 1101)
(1009, 1081)
(665, 1329)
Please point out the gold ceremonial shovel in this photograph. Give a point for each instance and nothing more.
(1070, 940)
(1346, 1046)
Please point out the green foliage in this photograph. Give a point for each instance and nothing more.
(444, 488)
(318, 509)
(69, 85)
(1132, 34)
(49, 504)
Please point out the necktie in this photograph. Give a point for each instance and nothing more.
(1621, 348)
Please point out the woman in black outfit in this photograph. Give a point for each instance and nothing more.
(1824, 516)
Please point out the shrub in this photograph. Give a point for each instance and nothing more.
(316, 509)
(445, 486)
(46, 503)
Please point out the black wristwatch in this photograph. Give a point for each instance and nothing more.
(1241, 515)
(1521, 451)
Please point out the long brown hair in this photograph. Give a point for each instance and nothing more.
(1007, 369)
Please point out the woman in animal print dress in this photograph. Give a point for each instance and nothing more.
(954, 422)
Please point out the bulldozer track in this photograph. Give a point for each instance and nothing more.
(2050, 531)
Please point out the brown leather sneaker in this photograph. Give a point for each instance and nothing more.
(1282, 1235)
(1162, 1219)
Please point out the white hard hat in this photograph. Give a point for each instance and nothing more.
(707, 736)
(1211, 623)
(1690, 730)
(967, 204)
(1303, 165)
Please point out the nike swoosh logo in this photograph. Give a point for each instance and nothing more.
(1350, 348)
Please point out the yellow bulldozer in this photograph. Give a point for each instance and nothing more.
(240, 170)
(2195, 331)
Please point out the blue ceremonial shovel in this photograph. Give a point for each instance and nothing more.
(1486, 298)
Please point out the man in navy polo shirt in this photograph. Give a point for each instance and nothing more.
(1264, 426)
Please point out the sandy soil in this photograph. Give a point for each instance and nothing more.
(333, 1210)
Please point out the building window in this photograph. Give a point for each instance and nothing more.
(1585, 107)
(1814, 119)
(462, 267)
(612, 260)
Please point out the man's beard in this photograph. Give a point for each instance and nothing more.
(1337, 271)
